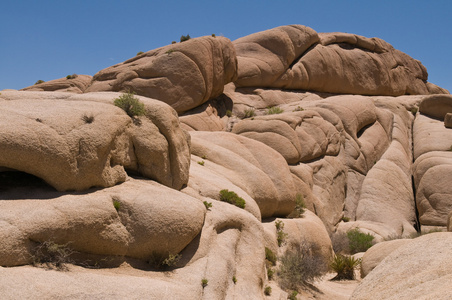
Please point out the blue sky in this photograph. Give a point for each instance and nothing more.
(51, 39)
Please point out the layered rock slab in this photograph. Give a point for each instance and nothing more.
(75, 142)
(73, 83)
(183, 75)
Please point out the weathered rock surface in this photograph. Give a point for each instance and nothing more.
(75, 84)
(436, 106)
(183, 75)
(75, 142)
(421, 269)
(294, 57)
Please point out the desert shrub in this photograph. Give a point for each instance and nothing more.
(204, 282)
(345, 219)
(414, 111)
(293, 295)
(280, 234)
(274, 110)
(201, 163)
(52, 255)
(39, 81)
(340, 242)
(300, 207)
(208, 205)
(71, 76)
(298, 108)
(116, 203)
(229, 113)
(359, 241)
(270, 273)
(344, 266)
(213, 35)
(139, 53)
(130, 104)
(173, 42)
(270, 256)
(164, 261)
(268, 290)
(300, 265)
(249, 113)
(170, 51)
(88, 119)
(234, 279)
(232, 198)
(184, 38)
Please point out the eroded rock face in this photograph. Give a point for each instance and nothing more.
(75, 142)
(419, 269)
(183, 75)
(75, 84)
(296, 57)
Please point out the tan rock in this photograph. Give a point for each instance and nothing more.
(448, 120)
(293, 57)
(75, 84)
(183, 75)
(449, 222)
(420, 269)
(377, 253)
(75, 142)
(436, 106)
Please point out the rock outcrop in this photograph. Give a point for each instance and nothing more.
(72, 83)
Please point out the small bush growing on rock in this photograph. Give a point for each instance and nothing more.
(185, 38)
(139, 53)
(73, 76)
(249, 113)
(116, 203)
(232, 198)
(52, 255)
(88, 119)
(270, 256)
(39, 81)
(293, 295)
(414, 111)
(234, 279)
(170, 51)
(201, 163)
(300, 266)
(268, 290)
(173, 42)
(300, 207)
(204, 282)
(229, 113)
(359, 241)
(345, 219)
(130, 104)
(208, 205)
(213, 35)
(344, 266)
(270, 273)
(280, 234)
(298, 108)
(274, 110)
(164, 261)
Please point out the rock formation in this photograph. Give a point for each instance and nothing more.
(346, 124)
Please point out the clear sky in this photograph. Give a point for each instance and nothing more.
(51, 39)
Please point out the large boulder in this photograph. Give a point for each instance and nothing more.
(75, 142)
(421, 269)
(436, 106)
(183, 75)
(296, 57)
(72, 83)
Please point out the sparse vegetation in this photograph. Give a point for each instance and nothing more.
(280, 234)
(300, 207)
(249, 113)
(270, 256)
(130, 104)
(344, 266)
(204, 157)
(270, 273)
(164, 261)
(268, 290)
(232, 198)
(298, 108)
(201, 163)
(229, 113)
(359, 241)
(204, 282)
(185, 38)
(88, 119)
(116, 203)
(414, 110)
(293, 295)
(450, 149)
(274, 110)
(139, 53)
(213, 35)
(73, 76)
(38, 120)
(173, 42)
(234, 279)
(300, 266)
(52, 255)
(345, 219)
(170, 51)
(39, 81)
(208, 205)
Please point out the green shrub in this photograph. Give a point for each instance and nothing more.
(270, 273)
(344, 266)
(249, 113)
(293, 295)
(232, 198)
(268, 290)
(208, 205)
(359, 241)
(88, 119)
(201, 163)
(52, 255)
(280, 234)
(130, 104)
(139, 53)
(170, 51)
(164, 261)
(184, 38)
(298, 108)
(274, 110)
(71, 76)
(229, 113)
(173, 42)
(270, 256)
(39, 81)
(300, 266)
(300, 207)
(213, 35)
(414, 111)
(204, 282)
(345, 219)
(116, 203)
(234, 279)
